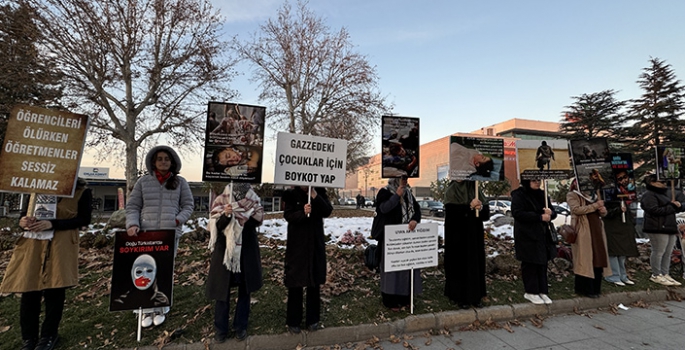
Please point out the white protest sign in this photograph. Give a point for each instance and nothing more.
(310, 160)
(406, 249)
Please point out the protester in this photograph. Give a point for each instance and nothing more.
(464, 244)
(236, 261)
(619, 226)
(398, 206)
(305, 254)
(533, 239)
(160, 200)
(590, 257)
(44, 264)
(661, 227)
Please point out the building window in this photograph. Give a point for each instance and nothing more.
(110, 203)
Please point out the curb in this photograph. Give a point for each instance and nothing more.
(425, 322)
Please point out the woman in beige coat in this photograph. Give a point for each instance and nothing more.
(590, 257)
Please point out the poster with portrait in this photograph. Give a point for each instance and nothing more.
(306, 160)
(400, 146)
(624, 179)
(669, 162)
(476, 158)
(234, 143)
(143, 270)
(543, 159)
(42, 151)
(592, 165)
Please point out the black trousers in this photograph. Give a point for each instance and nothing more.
(534, 278)
(395, 301)
(588, 286)
(242, 311)
(294, 308)
(29, 312)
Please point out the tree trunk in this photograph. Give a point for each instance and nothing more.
(131, 167)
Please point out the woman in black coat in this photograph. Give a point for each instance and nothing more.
(305, 254)
(532, 238)
(236, 261)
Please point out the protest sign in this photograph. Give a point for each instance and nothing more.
(143, 270)
(624, 179)
(42, 151)
(669, 162)
(476, 158)
(543, 159)
(400, 147)
(406, 249)
(234, 143)
(592, 165)
(310, 160)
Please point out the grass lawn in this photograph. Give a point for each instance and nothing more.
(351, 296)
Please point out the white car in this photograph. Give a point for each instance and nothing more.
(563, 215)
(348, 201)
(500, 207)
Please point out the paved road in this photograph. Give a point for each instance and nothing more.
(659, 326)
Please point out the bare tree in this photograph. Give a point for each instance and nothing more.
(313, 80)
(141, 69)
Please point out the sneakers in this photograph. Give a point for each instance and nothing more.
(673, 281)
(534, 298)
(147, 320)
(660, 279)
(159, 319)
(628, 282)
(619, 283)
(545, 299)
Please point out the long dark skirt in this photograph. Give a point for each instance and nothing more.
(464, 261)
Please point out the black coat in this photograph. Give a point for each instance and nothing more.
(305, 253)
(220, 279)
(620, 235)
(532, 239)
(659, 211)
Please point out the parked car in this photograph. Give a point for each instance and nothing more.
(432, 208)
(500, 207)
(563, 215)
(369, 203)
(638, 214)
(348, 201)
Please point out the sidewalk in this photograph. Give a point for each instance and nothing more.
(562, 325)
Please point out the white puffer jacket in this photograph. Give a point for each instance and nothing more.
(151, 206)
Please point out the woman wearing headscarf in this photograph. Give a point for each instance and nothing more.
(533, 239)
(44, 264)
(590, 256)
(236, 261)
(464, 244)
(620, 240)
(305, 254)
(160, 200)
(661, 227)
(396, 202)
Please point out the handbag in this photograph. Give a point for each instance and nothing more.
(371, 257)
(569, 233)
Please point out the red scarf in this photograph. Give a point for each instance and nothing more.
(161, 178)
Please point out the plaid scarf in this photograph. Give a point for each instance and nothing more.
(408, 204)
(246, 204)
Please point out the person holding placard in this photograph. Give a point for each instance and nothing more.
(619, 226)
(235, 261)
(396, 202)
(590, 256)
(305, 254)
(44, 264)
(465, 244)
(532, 238)
(160, 200)
(661, 227)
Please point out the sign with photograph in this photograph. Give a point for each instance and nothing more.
(42, 151)
(543, 159)
(624, 178)
(143, 270)
(669, 163)
(406, 249)
(400, 147)
(234, 143)
(310, 160)
(476, 158)
(592, 164)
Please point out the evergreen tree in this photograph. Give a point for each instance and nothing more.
(593, 115)
(654, 118)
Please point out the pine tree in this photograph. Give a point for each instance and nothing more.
(654, 118)
(593, 115)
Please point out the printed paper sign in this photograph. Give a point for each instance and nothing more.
(592, 164)
(234, 144)
(543, 159)
(669, 163)
(42, 151)
(400, 147)
(406, 249)
(306, 160)
(476, 159)
(143, 270)
(624, 178)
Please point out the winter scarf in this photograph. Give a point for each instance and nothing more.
(408, 205)
(246, 204)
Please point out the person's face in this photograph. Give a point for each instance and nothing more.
(143, 272)
(403, 181)
(535, 184)
(623, 179)
(162, 162)
(229, 157)
(479, 159)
